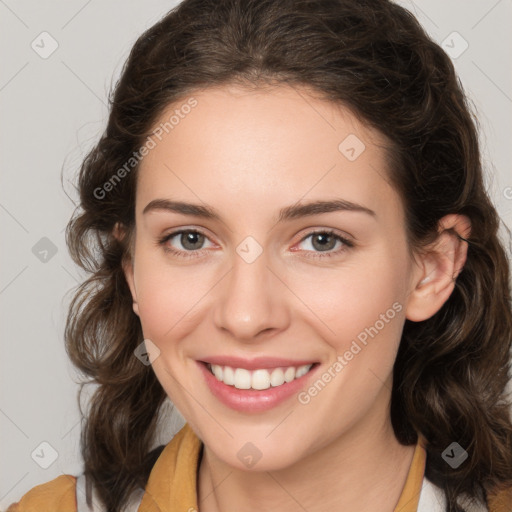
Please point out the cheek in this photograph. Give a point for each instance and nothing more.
(170, 299)
(362, 300)
(169, 296)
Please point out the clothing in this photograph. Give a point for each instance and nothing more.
(172, 485)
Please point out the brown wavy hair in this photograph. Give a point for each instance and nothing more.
(373, 57)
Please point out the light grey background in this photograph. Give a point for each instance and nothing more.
(53, 110)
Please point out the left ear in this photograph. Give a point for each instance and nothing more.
(438, 267)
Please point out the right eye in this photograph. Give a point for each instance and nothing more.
(189, 239)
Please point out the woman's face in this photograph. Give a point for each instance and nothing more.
(254, 282)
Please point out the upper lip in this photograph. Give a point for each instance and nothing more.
(255, 363)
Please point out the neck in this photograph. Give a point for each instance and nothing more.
(364, 469)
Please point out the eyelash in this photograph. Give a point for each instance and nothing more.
(193, 254)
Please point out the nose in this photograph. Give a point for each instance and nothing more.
(252, 300)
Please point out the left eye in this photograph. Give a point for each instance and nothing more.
(325, 241)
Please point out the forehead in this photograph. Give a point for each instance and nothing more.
(253, 150)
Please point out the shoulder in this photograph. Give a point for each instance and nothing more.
(497, 501)
(181, 453)
(500, 501)
(57, 495)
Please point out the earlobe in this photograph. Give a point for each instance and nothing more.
(438, 268)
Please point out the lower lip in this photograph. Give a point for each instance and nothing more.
(253, 400)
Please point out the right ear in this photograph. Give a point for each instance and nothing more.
(127, 264)
(128, 273)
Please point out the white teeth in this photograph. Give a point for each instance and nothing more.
(302, 370)
(277, 377)
(217, 371)
(229, 376)
(242, 378)
(259, 379)
(289, 374)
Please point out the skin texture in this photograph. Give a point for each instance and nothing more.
(248, 154)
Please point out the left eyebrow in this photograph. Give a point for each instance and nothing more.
(285, 214)
(314, 208)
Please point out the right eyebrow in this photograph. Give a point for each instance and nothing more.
(181, 207)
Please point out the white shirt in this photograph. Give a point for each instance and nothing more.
(433, 499)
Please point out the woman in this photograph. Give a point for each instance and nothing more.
(289, 237)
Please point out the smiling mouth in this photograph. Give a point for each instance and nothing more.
(258, 379)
